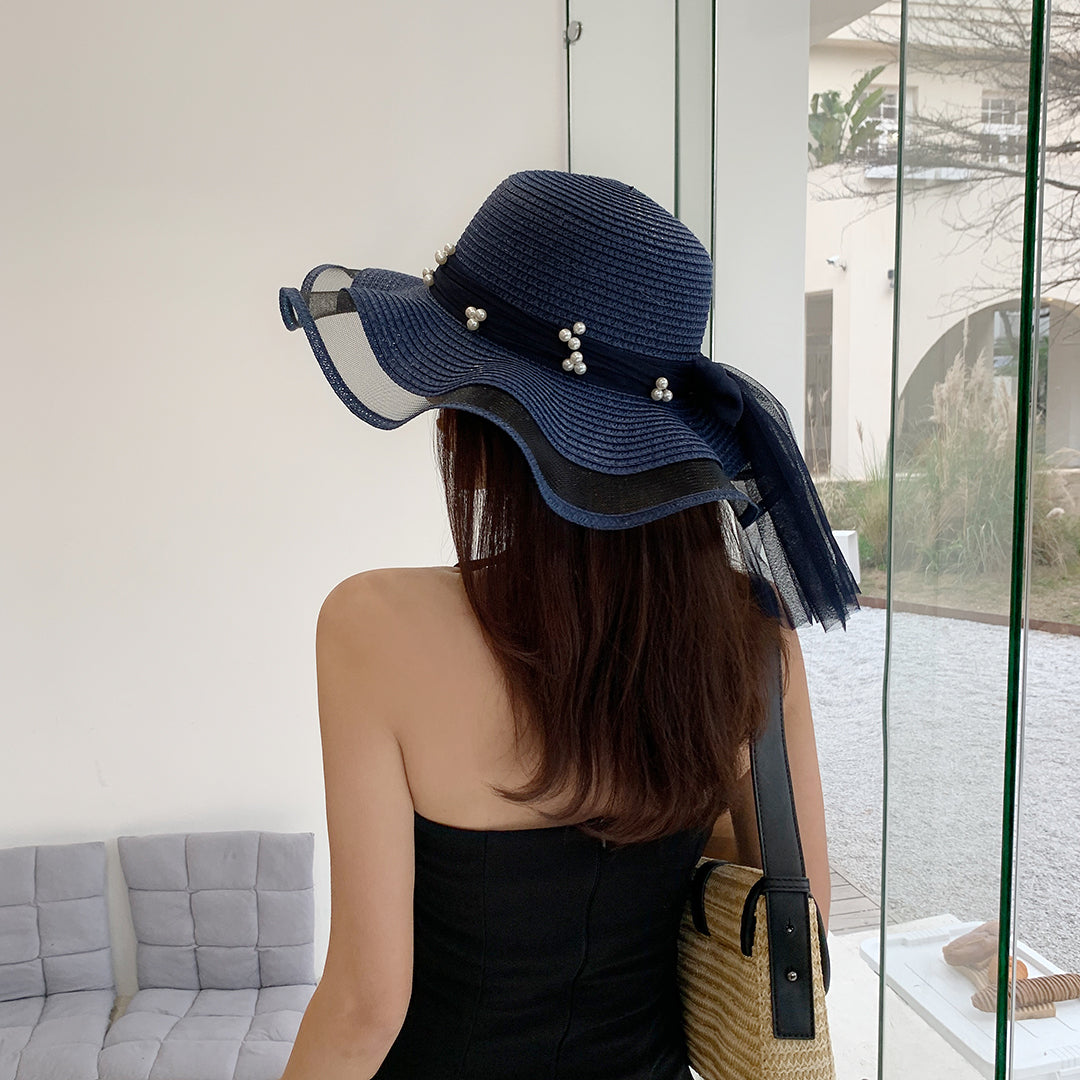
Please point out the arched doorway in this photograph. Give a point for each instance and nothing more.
(991, 332)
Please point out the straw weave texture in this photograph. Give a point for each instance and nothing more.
(726, 999)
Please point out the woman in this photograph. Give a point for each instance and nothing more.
(526, 755)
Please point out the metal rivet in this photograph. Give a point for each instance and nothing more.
(792, 975)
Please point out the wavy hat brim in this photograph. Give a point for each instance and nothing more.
(602, 458)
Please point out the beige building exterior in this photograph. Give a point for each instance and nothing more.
(960, 277)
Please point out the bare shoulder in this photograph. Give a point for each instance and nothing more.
(380, 611)
(405, 643)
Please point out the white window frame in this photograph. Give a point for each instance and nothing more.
(889, 130)
(1003, 131)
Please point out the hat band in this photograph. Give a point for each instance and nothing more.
(695, 379)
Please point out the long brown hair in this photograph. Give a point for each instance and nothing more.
(635, 660)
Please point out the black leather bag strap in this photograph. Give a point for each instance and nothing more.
(784, 883)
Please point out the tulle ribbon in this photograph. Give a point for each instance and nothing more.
(789, 539)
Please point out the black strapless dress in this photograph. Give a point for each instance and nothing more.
(544, 954)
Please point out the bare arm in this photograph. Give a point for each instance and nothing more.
(735, 835)
(360, 1003)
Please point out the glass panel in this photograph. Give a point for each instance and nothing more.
(622, 94)
(819, 347)
(850, 255)
(970, 344)
(1047, 917)
(966, 301)
(849, 316)
(641, 100)
(694, 116)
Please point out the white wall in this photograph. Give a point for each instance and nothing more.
(622, 93)
(180, 486)
(761, 76)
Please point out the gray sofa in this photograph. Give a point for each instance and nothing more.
(56, 975)
(224, 924)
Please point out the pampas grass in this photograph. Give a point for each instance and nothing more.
(953, 500)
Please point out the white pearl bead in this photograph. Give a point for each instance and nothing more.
(580, 368)
(565, 335)
(657, 395)
(568, 364)
(481, 314)
(579, 328)
(661, 383)
(575, 356)
(472, 324)
(429, 277)
(573, 344)
(451, 248)
(440, 257)
(470, 312)
(667, 395)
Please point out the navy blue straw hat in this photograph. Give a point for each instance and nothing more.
(571, 313)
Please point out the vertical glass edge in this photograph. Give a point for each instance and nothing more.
(712, 201)
(569, 96)
(891, 466)
(676, 168)
(1030, 303)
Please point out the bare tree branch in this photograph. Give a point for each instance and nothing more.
(969, 158)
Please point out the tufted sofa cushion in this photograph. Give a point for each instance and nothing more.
(54, 922)
(205, 1034)
(53, 1038)
(225, 925)
(221, 911)
(56, 977)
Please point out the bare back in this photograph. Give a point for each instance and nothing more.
(443, 692)
(454, 723)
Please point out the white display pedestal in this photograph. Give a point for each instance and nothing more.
(848, 542)
(1045, 1049)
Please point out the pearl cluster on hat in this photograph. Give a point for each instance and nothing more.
(570, 335)
(474, 316)
(441, 256)
(572, 339)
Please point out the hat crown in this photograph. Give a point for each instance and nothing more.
(564, 248)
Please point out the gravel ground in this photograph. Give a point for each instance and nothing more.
(946, 729)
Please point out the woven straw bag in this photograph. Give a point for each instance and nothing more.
(753, 962)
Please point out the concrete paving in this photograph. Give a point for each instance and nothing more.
(947, 694)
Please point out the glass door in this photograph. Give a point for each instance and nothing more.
(967, 333)
(972, 147)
